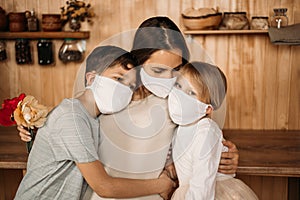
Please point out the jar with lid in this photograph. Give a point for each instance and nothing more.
(71, 50)
(2, 51)
(259, 23)
(279, 19)
(45, 52)
(23, 51)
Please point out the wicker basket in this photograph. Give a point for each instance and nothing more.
(206, 19)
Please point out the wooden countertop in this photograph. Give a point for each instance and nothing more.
(266, 153)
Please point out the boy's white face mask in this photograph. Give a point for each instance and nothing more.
(184, 109)
(160, 87)
(110, 95)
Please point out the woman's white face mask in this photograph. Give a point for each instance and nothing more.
(160, 87)
(158, 71)
(110, 95)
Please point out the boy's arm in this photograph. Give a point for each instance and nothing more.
(107, 186)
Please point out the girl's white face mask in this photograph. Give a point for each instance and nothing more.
(160, 87)
(110, 95)
(184, 109)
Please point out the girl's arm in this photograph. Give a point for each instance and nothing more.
(205, 167)
(107, 186)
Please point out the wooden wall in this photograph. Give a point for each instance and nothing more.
(263, 79)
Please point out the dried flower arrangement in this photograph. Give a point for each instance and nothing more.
(25, 111)
(76, 10)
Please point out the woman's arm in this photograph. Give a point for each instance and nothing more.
(107, 186)
(229, 160)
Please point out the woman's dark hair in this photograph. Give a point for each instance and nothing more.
(154, 34)
(158, 33)
(103, 57)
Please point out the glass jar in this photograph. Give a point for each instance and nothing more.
(279, 19)
(71, 50)
(23, 51)
(2, 51)
(234, 21)
(32, 21)
(259, 23)
(45, 52)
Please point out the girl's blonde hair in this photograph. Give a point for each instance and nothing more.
(210, 80)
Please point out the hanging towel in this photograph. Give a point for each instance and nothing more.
(289, 35)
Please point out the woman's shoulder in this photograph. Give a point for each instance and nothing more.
(149, 100)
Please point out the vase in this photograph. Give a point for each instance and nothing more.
(75, 25)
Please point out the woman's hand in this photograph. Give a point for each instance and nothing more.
(229, 160)
(24, 134)
(170, 185)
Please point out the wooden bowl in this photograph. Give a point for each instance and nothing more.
(206, 19)
(203, 23)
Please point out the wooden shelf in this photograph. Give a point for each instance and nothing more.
(46, 35)
(223, 32)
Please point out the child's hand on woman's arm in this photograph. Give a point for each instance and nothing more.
(168, 193)
(229, 160)
(24, 134)
(170, 168)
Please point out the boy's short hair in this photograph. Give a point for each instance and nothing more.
(103, 57)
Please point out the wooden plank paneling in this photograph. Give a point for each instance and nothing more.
(261, 76)
(263, 79)
(294, 105)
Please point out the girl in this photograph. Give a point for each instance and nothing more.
(64, 158)
(197, 147)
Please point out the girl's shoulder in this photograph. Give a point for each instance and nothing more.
(208, 128)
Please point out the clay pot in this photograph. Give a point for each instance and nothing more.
(17, 21)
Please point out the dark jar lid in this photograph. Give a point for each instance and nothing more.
(280, 10)
(260, 17)
(240, 13)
